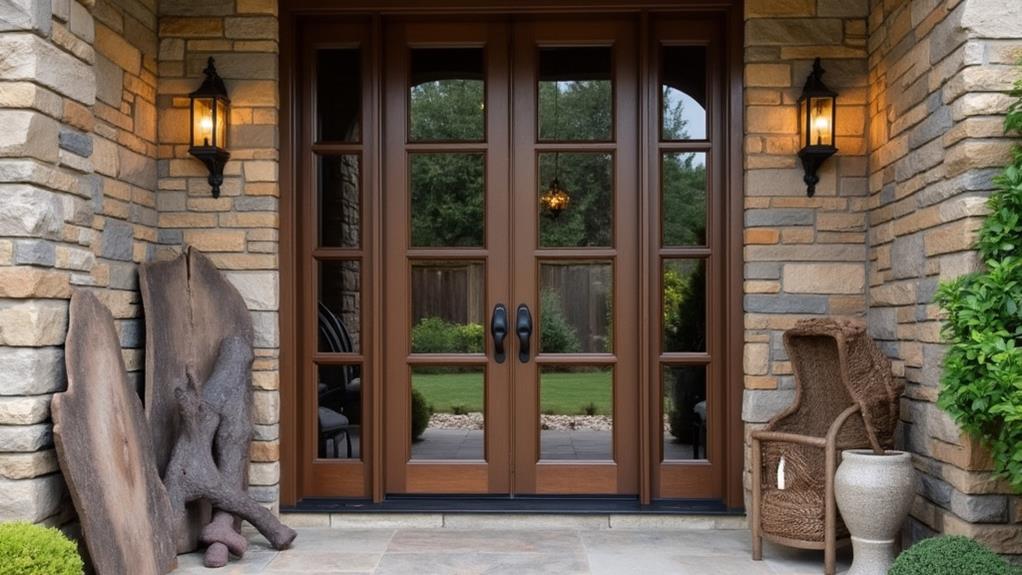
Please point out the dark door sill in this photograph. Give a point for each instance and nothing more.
(520, 504)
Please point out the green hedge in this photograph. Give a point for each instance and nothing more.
(434, 335)
(27, 549)
(951, 555)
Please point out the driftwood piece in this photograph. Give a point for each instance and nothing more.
(192, 473)
(190, 309)
(105, 451)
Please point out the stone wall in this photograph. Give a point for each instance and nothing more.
(939, 70)
(239, 229)
(78, 179)
(804, 257)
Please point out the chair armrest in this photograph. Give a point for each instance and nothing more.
(784, 437)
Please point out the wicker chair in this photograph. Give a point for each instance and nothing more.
(845, 398)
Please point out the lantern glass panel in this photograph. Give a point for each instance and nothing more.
(821, 121)
(202, 122)
(222, 118)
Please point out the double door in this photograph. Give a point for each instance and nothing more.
(512, 258)
(512, 229)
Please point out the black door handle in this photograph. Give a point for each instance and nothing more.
(523, 325)
(498, 329)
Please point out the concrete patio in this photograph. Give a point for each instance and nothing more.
(561, 545)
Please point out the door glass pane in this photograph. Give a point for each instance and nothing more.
(447, 95)
(339, 215)
(447, 413)
(339, 411)
(448, 204)
(683, 185)
(340, 306)
(575, 94)
(576, 307)
(684, 301)
(576, 407)
(684, 412)
(588, 181)
(683, 93)
(447, 307)
(339, 95)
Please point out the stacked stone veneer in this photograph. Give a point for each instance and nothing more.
(804, 257)
(77, 209)
(238, 230)
(939, 70)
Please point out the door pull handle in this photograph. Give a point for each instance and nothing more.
(523, 326)
(498, 329)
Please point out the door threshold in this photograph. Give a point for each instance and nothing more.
(531, 505)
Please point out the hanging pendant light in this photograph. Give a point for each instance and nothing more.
(555, 199)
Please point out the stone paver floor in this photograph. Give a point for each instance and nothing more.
(427, 551)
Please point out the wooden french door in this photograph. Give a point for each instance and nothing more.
(512, 257)
(473, 144)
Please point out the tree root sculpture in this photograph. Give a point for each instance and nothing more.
(192, 473)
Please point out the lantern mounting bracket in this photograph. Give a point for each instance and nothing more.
(812, 158)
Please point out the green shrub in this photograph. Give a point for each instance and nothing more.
(434, 335)
(421, 412)
(556, 334)
(952, 555)
(27, 549)
(983, 365)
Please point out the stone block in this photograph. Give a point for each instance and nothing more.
(35, 253)
(762, 271)
(81, 22)
(25, 56)
(258, 289)
(760, 406)
(883, 322)
(980, 508)
(109, 81)
(756, 358)
(26, 438)
(136, 168)
(28, 134)
(786, 304)
(118, 240)
(28, 465)
(792, 32)
(121, 52)
(33, 282)
(31, 371)
(123, 275)
(192, 8)
(31, 15)
(789, 8)
(779, 217)
(15, 410)
(265, 325)
(33, 323)
(251, 28)
(824, 278)
(842, 8)
(31, 500)
(76, 142)
(264, 473)
(265, 409)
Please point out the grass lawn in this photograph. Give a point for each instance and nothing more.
(560, 393)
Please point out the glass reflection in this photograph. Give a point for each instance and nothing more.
(338, 95)
(683, 93)
(340, 306)
(447, 95)
(447, 204)
(576, 412)
(447, 413)
(588, 180)
(684, 305)
(575, 94)
(576, 307)
(683, 185)
(339, 411)
(684, 412)
(447, 307)
(339, 183)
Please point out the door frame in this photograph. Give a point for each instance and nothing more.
(291, 286)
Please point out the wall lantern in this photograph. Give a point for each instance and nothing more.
(210, 122)
(555, 198)
(817, 112)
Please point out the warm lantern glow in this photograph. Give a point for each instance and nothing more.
(210, 123)
(817, 108)
(555, 199)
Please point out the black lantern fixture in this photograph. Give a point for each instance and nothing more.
(210, 122)
(817, 112)
(555, 198)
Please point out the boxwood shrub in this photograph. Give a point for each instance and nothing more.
(950, 555)
(27, 549)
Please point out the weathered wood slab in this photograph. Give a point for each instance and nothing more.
(105, 451)
(190, 310)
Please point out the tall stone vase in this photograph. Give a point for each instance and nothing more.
(874, 494)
